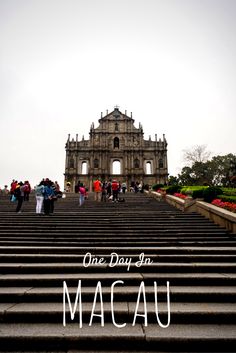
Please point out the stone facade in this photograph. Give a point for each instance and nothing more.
(116, 142)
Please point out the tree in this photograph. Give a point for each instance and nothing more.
(220, 170)
(197, 153)
(186, 177)
(199, 174)
(173, 180)
(222, 167)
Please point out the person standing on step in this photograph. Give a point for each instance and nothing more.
(14, 184)
(124, 187)
(39, 194)
(104, 191)
(97, 188)
(115, 190)
(19, 194)
(109, 190)
(27, 190)
(48, 197)
(53, 197)
(82, 192)
(5, 190)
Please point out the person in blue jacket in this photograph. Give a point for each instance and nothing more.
(49, 196)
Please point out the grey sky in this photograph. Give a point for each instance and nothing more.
(170, 62)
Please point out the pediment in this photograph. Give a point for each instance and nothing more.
(116, 114)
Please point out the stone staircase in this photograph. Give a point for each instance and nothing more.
(38, 253)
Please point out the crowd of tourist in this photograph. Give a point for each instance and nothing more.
(113, 189)
(47, 192)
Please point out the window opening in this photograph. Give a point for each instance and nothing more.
(116, 167)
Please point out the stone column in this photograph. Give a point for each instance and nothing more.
(90, 183)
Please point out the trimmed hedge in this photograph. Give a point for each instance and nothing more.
(229, 191)
(196, 191)
(198, 194)
(172, 189)
(155, 187)
(211, 193)
(227, 198)
(208, 193)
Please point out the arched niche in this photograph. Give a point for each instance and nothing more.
(148, 167)
(116, 142)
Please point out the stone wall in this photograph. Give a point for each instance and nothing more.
(223, 218)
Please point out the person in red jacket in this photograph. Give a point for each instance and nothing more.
(13, 186)
(97, 188)
(115, 190)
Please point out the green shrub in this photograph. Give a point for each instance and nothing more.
(194, 191)
(198, 194)
(172, 189)
(229, 191)
(193, 188)
(211, 193)
(186, 190)
(155, 187)
(227, 198)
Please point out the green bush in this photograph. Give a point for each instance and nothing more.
(187, 189)
(198, 194)
(229, 191)
(155, 187)
(211, 193)
(227, 198)
(195, 191)
(172, 189)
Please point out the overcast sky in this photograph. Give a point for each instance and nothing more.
(63, 62)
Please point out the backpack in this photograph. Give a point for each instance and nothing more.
(26, 188)
(82, 190)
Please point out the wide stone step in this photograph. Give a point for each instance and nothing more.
(52, 242)
(78, 258)
(157, 267)
(184, 294)
(56, 279)
(142, 244)
(194, 248)
(175, 337)
(115, 216)
(124, 312)
(116, 242)
(58, 233)
(107, 225)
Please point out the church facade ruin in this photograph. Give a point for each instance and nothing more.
(116, 149)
